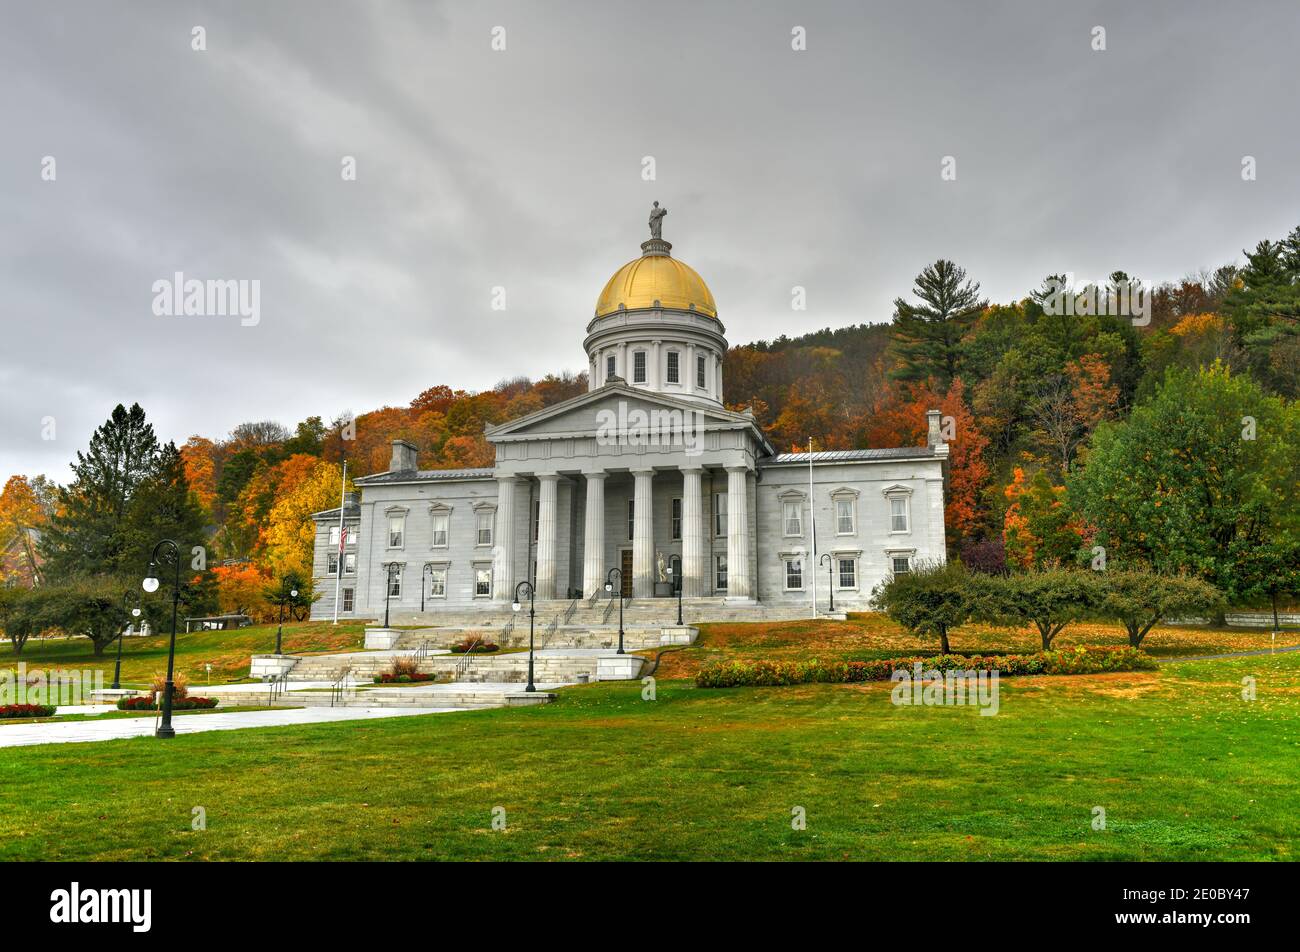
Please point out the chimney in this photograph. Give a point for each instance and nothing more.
(351, 500)
(403, 457)
(932, 436)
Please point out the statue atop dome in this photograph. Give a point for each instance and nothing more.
(657, 221)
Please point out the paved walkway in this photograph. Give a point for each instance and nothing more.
(72, 732)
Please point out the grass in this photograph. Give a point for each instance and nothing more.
(1184, 767)
(227, 651)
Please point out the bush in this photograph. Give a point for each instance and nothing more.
(403, 665)
(388, 677)
(932, 600)
(150, 702)
(26, 710)
(1049, 599)
(1138, 600)
(180, 686)
(1079, 660)
(469, 645)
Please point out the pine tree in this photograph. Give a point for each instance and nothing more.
(927, 337)
(86, 535)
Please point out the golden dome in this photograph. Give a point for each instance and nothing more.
(656, 279)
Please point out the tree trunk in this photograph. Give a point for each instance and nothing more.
(1047, 635)
(1134, 636)
(100, 646)
(943, 641)
(1275, 624)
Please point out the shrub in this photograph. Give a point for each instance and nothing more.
(26, 710)
(932, 600)
(1138, 600)
(180, 686)
(1048, 599)
(1079, 660)
(403, 665)
(388, 677)
(150, 702)
(469, 645)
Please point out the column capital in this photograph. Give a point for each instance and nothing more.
(691, 468)
(643, 471)
(599, 474)
(506, 477)
(742, 468)
(549, 477)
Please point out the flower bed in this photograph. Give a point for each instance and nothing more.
(149, 703)
(1080, 660)
(26, 710)
(405, 678)
(483, 647)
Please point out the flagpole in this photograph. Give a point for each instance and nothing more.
(338, 576)
(812, 521)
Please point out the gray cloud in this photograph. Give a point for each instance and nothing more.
(522, 169)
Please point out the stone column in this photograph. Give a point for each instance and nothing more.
(503, 569)
(694, 564)
(546, 537)
(738, 532)
(643, 541)
(593, 543)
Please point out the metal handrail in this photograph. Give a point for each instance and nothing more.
(507, 631)
(339, 687)
(277, 687)
(569, 612)
(549, 633)
(463, 665)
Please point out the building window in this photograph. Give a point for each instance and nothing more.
(484, 524)
(441, 521)
(844, 517)
(674, 367)
(611, 367)
(677, 519)
(792, 518)
(902, 564)
(699, 371)
(483, 582)
(631, 518)
(794, 575)
(897, 514)
(438, 583)
(722, 573)
(334, 536)
(351, 536)
(638, 366)
(349, 598)
(350, 563)
(395, 583)
(848, 573)
(332, 564)
(719, 515)
(396, 529)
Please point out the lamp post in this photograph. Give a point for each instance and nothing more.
(150, 584)
(677, 582)
(388, 588)
(131, 603)
(830, 578)
(427, 574)
(532, 614)
(279, 631)
(609, 587)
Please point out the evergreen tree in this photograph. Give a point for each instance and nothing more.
(86, 534)
(927, 337)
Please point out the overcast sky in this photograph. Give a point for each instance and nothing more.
(522, 169)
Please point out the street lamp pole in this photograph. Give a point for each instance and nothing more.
(830, 577)
(150, 584)
(609, 587)
(131, 603)
(388, 588)
(279, 631)
(532, 614)
(677, 581)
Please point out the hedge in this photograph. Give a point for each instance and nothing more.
(1081, 660)
(148, 703)
(26, 710)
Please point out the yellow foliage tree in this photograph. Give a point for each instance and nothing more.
(289, 532)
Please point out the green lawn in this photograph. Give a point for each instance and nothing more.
(227, 651)
(1184, 768)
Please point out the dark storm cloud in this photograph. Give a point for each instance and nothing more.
(522, 169)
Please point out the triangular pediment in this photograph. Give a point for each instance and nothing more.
(617, 406)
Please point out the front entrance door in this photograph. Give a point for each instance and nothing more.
(625, 567)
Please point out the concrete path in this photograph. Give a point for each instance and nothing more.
(72, 732)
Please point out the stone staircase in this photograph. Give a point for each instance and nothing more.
(637, 613)
(548, 667)
(414, 697)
